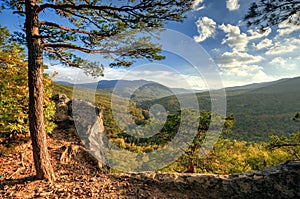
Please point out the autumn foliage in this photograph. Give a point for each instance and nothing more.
(14, 89)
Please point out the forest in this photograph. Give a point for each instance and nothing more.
(228, 156)
(259, 130)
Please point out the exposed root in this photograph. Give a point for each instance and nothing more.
(69, 152)
(17, 171)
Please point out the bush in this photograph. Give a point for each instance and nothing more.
(14, 89)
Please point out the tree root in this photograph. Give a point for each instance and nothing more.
(69, 152)
(72, 150)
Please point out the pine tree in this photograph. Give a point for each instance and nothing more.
(86, 26)
(268, 13)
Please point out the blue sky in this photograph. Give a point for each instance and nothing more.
(241, 55)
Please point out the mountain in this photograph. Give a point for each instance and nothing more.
(255, 85)
(260, 110)
(137, 90)
(267, 110)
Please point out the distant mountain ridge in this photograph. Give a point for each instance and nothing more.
(128, 88)
(260, 110)
(109, 85)
(256, 85)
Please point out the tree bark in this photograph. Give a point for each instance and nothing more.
(42, 162)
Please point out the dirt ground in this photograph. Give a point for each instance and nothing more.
(77, 175)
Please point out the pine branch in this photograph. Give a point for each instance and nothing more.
(74, 47)
(82, 7)
(62, 58)
(64, 27)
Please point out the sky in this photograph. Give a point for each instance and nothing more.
(217, 46)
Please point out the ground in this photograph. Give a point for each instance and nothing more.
(77, 175)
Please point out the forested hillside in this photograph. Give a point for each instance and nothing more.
(229, 155)
(260, 110)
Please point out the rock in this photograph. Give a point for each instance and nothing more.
(62, 108)
(281, 181)
(88, 122)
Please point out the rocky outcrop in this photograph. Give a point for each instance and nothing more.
(87, 121)
(281, 181)
(63, 108)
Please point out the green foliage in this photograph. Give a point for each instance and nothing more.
(269, 13)
(291, 144)
(259, 112)
(232, 156)
(14, 91)
(228, 155)
(120, 30)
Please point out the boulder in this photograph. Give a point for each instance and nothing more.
(87, 121)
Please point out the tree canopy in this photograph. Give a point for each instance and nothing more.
(112, 28)
(14, 90)
(61, 28)
(268, 13)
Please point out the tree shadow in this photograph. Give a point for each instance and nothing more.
(12, 182)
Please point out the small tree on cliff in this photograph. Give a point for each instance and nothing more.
(86, 26)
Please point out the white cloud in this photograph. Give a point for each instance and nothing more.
(285, 29)
(235, 59)
(287, 63)
(206, 28)
(259, 34)
(196, 5)
(241, 67)
(238, 40)
(69, 74)
(292, 40)
(234, 37)
(261, 76)
(242, 70)
(245, 74)
(278, 61)
(160, 74)
(232, 4)
(164, 76)
(281, 48)
(263, 44)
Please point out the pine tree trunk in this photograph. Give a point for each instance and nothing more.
(42, 162)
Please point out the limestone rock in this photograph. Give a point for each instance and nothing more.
(87, 120)
(281, 181)
(62, 108)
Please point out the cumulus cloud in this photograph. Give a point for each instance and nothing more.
(287, 63)
(69, 74)
(263, 44)
(286, 28)
(261, 76)
(232, 4)
(206, 28)
(158, 74)
(242, 70)
(278, 61)
(197, 5)
(241, 65)
(245, 74)
(238, 40)
(259, 34)
(281, 48)
(235, 59)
